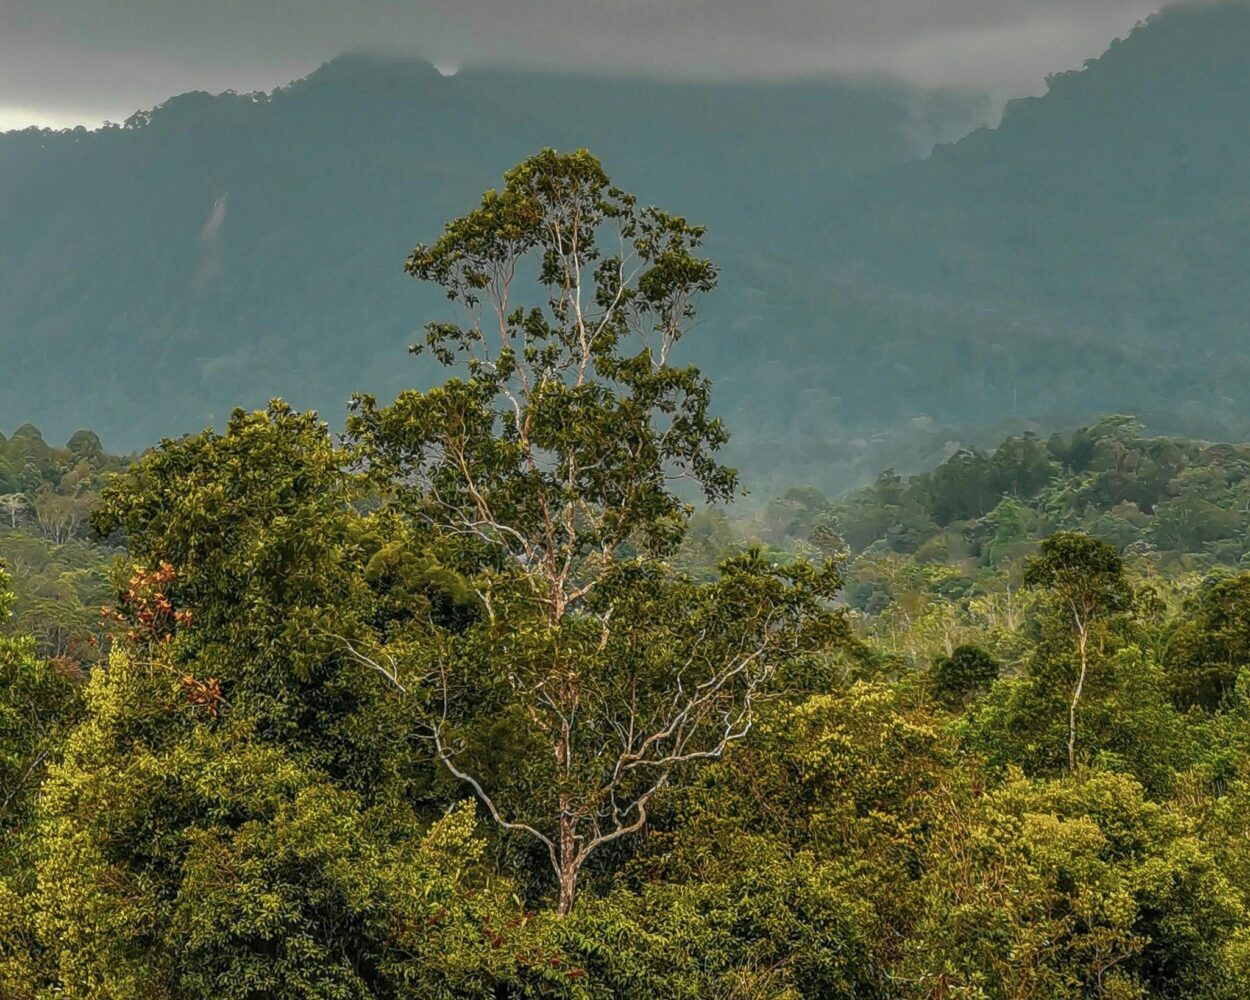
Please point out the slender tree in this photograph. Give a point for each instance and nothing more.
(12, 507)
(1086, 578)
(588, 674)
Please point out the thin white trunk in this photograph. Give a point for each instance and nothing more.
(1082, 635)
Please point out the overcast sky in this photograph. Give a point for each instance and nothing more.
(65, 62)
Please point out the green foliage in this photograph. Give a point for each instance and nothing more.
(1071, 888)
(590, 675)
(183, 857)
(967, 672)
(1085, 576)
(39, 703)
(1112, 481)
(271, 560)
(235, 804)
(1211, 644)
(59, 573)
(374, 712)
(1127, 720)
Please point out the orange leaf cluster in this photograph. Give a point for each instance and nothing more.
(146, 612)
(203, 694)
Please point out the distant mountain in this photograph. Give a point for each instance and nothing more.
(1090, 254)
(220, 250)
(1123, 186)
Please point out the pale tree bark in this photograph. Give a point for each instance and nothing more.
(1081, 620)
(13, 505)
(1082, 637)
(619, 806)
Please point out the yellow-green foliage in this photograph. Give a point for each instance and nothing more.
(471, 706)
(183, 858)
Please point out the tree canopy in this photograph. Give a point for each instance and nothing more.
(498, 696)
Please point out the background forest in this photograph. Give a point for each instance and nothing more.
(880, 298)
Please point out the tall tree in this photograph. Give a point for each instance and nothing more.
(590, 674)
(1086, 579)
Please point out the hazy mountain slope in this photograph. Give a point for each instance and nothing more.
(1086, 256)
(221, 250)
(1106, 222)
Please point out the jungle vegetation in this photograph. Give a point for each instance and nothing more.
(500, 694)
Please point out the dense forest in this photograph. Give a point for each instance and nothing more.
(499, 694)
(171, 261)
(1082, 257)
(58, 573)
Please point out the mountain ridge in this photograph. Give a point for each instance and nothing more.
(320, 189)
(1082, 257)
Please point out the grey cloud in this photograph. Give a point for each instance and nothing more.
(109, 57)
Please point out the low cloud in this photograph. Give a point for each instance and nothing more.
(110, 57)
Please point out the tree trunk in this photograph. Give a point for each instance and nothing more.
(1081, 637)
(566, 876)
(568, 888)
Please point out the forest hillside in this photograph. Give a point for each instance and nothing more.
(879, 304)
